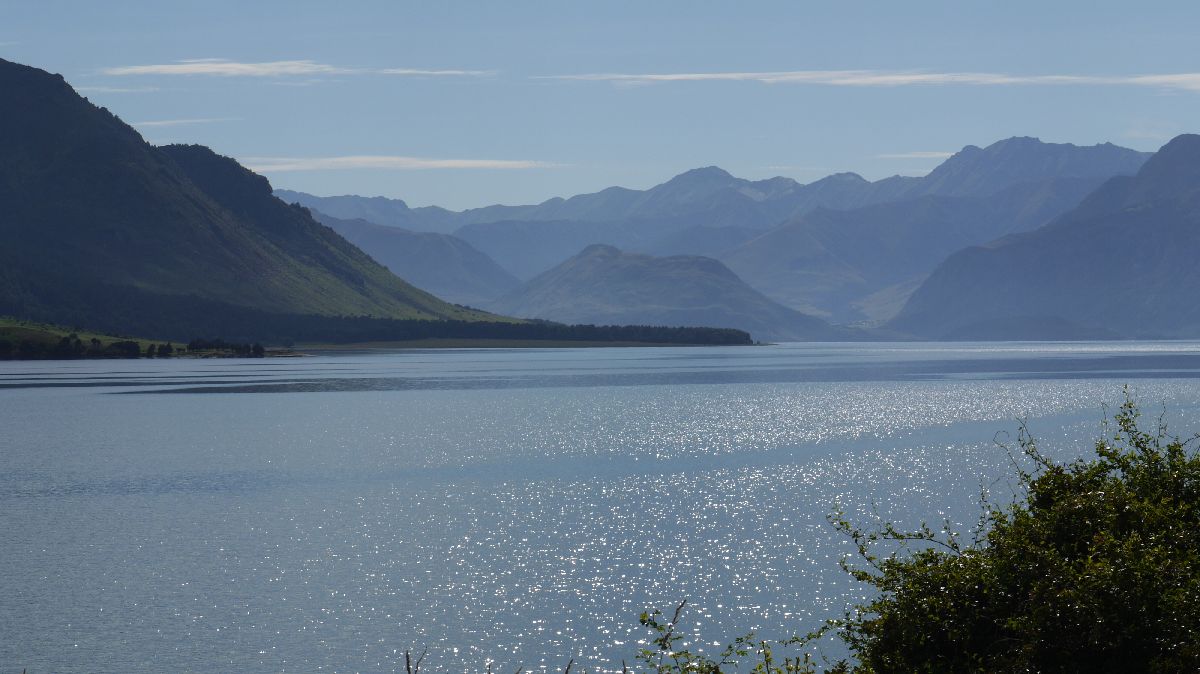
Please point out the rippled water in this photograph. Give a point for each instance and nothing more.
(524, 506)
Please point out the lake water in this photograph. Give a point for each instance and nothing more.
(520, 506)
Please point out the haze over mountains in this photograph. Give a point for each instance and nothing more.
(841, 248)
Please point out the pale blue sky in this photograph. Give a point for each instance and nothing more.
(468, 103)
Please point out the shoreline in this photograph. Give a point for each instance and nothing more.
(479, 343)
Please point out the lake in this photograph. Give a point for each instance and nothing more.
(517, 506)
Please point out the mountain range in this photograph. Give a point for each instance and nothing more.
(841, 248)
(711, 197)
(1121, 264)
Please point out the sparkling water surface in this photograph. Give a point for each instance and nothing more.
(516, 506)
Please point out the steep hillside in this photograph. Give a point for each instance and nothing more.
(97, 222)
(603, 285)
(1122, 263)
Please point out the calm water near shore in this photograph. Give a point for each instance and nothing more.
(523, 506)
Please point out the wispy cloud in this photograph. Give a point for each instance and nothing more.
(920, 154)
(115, 90)
(413, 72)
(182, 122)
(303, 68)
(283, 164)
(895, 78)
(226, 68)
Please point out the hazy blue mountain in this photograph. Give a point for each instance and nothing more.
(980, 172)
(861, 264)
(603, 285)
(709, 194)
(442, 264)
(98, 224)
(1122, 263)
(708, 211)
(711, 197)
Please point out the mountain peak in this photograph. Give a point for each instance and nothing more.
(704, 173)
(1173, 171)
(715, 171)
(844, 176)
(599, 250)
(1182, 148)
(1016, 141)
(975, 171)
(11, 69)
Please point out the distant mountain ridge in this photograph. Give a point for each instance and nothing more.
(99, 227)
(603, 285)
(977, 172)
(1121, 264)
(713, 197)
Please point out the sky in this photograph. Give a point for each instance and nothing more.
(464, 104)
